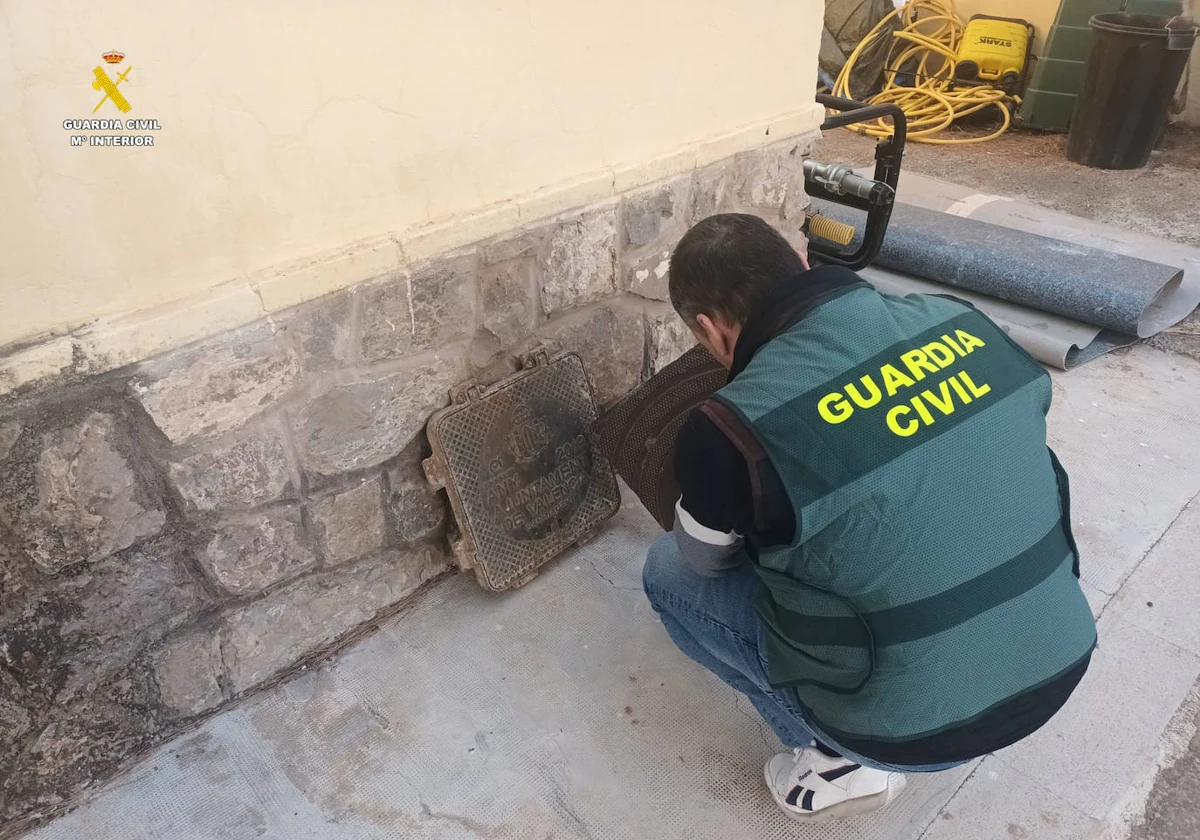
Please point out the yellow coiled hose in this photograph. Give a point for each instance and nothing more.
(831, 229)
(929, 36)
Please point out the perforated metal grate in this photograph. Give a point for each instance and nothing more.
(638, 433)
(520, 466)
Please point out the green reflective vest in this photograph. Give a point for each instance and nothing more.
(932, 572)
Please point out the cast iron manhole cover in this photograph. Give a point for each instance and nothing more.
(638, 433)
(520, 466)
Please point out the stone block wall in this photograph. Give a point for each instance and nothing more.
(178, 533)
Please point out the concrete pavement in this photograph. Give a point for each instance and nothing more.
(563, 711)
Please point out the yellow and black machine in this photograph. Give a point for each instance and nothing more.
(994, 51)
(941, 71)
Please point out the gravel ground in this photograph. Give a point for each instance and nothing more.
(1173, 811)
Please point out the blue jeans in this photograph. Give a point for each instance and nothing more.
(712, 620)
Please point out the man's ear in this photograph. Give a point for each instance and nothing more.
(719, 337)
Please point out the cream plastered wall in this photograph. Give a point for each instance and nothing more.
(306, 146)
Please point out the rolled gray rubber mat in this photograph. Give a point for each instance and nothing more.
(1087, 284)
(1051, 339)
(1039, 319)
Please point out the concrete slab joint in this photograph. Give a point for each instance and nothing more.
(177, 533)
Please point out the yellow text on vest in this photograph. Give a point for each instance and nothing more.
(906, 418)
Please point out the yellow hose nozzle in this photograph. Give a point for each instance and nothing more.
(831, 229)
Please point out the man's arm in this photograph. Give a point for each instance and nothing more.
(715, 500)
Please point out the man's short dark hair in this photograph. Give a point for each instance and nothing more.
(726, 264)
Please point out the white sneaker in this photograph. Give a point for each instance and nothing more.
(812, 787)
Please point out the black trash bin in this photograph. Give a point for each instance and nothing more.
(1131, 74)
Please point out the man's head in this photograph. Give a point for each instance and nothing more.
(721, 270)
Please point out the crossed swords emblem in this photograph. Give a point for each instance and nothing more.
(109, 86)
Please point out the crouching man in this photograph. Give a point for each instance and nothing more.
(873, 541)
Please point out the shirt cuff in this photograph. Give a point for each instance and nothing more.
(688, 524)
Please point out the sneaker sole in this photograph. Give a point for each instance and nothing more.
(849, 808)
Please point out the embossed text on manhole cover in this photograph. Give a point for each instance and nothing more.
(524, 477)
